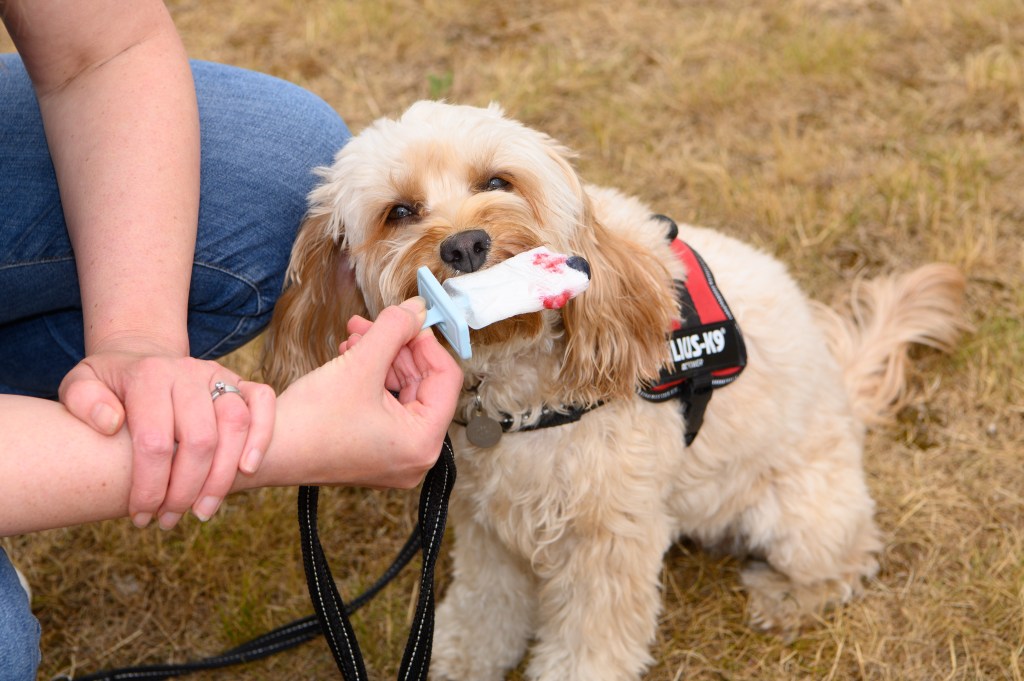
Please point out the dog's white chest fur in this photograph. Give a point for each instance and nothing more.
(536, 487)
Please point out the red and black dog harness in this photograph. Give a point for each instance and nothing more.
(706, 346)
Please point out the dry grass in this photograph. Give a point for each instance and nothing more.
(846, 136)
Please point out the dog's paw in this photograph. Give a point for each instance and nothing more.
(466, 672)
(778, 605)
(456, 659)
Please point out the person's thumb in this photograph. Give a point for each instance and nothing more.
(91, 401)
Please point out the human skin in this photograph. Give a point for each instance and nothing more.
(119, 110)
(338, 425)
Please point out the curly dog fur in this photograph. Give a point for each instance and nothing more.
(560, 532)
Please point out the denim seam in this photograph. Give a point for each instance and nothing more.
(30, 263)
(214, 351)
(58, 338)
(248, 282)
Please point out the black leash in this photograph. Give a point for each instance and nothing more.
(433, 513)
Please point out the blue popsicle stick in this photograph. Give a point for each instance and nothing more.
(441, 310)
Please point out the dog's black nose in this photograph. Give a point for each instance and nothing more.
(466, 251)
(579, 264)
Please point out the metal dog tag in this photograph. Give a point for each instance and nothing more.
(483, 431)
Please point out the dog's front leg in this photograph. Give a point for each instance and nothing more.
(485, 619)
(598, 606)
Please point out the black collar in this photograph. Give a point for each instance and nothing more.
(549, 418)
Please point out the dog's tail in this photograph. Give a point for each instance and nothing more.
(882, 319)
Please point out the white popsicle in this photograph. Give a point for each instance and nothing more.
(529, 282)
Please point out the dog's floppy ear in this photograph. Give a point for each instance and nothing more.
(319, 297)
(615, 331)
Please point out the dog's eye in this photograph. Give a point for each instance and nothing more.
(400, 212)
(496, 184)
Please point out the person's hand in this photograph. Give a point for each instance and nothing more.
(186, 446)
(346, 419)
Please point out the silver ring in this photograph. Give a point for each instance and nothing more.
(220, 388)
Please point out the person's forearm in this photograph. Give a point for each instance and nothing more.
(339, 424)
(122, 124)
(57, 471)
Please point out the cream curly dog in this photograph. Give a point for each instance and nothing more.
(560, 531)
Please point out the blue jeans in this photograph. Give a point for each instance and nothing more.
(19, 629)
(260, 140)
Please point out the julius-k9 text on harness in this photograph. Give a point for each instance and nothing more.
(706, 348)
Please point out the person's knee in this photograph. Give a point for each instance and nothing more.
(19, 647)
(19, 629)
(272, 131)
(262, 139)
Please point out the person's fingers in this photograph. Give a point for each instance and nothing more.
(233, 418)
(392, 381)
(185, 446)
(439, 377)
(349, 343)
(87, 397)
(205, 430)
(394, 327)
(262, 403)
(358, 324)
(151, 420)
(420, 357)
(405, 368)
